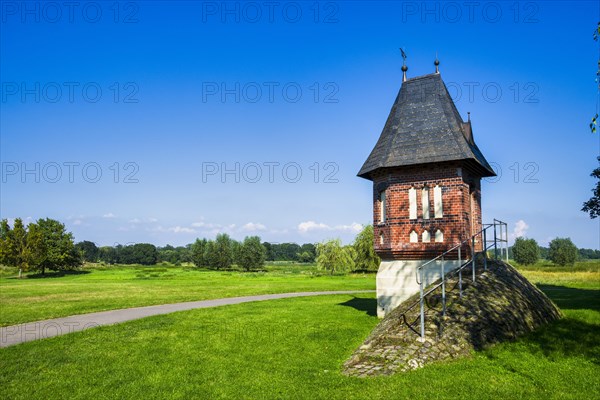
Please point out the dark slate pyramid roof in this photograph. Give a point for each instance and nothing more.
(424, 126)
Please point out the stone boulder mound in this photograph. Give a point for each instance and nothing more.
(501, 305)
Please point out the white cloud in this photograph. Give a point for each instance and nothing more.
(181, 229)
(134, 221)
(252, 227)
(152, 220)
(109, 215)
(173, 229)
(308, 226)
(77, 222)
(520, 229)
(353, 227)
(206, 225)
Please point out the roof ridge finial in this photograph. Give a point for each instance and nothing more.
(404, 67)
(437, 64)
(469, 116)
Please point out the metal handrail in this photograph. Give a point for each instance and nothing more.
(503, 240)
(420, 267)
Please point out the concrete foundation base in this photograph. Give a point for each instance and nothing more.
(397, 281)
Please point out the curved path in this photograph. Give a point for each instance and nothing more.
(29, 331)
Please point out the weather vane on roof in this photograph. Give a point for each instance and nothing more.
(404, 67)
(403, 54)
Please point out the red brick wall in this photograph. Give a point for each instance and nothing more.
(461, 203)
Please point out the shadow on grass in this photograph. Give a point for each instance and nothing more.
(54, 274)
(565, 338)
(368, 306)
(572, 298)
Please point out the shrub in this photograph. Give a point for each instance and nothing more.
(332, 257)
(526, 251)
(365, 258)
(251, 254)
(562, 251)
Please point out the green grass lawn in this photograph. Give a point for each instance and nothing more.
(294, 348)
(106, 288)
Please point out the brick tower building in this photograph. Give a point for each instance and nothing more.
(426, 171)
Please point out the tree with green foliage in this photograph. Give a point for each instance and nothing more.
(333, 257)
(59, 249)
(174, 255)
(199, 253)
(219, 253)
(139, 253)
(251, 254)
(108, 254)
(13, 245)
(286, 251)
(145, 254)
(307, 253)
(305, 257)
(41, 246)
(5, 250)
(365, 257)
(37, 247)
(592, 206)
(89, 251)
(589, 254)
(210, 254)
(236, 251)
(544, 252)
(269, 248)
(526, 251)
(562, 251)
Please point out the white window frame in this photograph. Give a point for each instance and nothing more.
(414, 236)
(382, 206)
(412, 203)
(425, 202)
(438, 208)
(426, 236)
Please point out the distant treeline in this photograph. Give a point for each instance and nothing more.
(148, 254)
(583, 254)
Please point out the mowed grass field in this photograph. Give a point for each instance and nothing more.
(294, 349)
(100, 288)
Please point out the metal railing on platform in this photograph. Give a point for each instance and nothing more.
(499, 243)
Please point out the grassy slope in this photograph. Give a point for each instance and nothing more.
(294, 348)
(98, 289)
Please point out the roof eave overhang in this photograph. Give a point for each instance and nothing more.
(474, 165)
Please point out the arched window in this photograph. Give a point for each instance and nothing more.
(414, 238)
(439, 236)
(381, 238)
(412, 203)
(382, 206)
(426, 237)
(437, 202)
(425, 202)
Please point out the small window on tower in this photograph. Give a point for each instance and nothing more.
(412, 203)
(382, 206)
(439, 236)
(426, 237)
(437, 202)
(381, 238)
(414, 238)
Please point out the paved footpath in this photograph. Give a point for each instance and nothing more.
(27, 332)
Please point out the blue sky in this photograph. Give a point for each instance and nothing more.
(126, 116)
